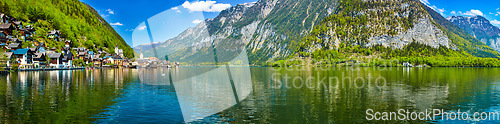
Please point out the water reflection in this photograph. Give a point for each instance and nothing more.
(117, 95)
(60, 96)
(415, 89)
(198, 91)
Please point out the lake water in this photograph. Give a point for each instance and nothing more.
(263, 95)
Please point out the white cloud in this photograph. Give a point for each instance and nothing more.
(129, 29)
(438, 9)
(453, 12)
(426, 2)
(197, 21)
(104, 15)
(495, 22)
(205, 6)
(435, 8)
(491, 13)
(220, 7)
(116, 24)
(498, 8)
(176, 9)
(141, 28)
(473, 12)
(110, 11)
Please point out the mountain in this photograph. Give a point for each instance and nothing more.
(276, 29)
(461, 38)
(393, 24)
(480, 28)
(77, 22)
(268, 29)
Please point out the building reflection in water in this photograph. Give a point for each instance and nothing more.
(64, 96)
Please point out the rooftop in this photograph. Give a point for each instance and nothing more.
(14, 45)
(38, 55)
(8, 54)
(54, 55)
(20, 51)
(5, 26)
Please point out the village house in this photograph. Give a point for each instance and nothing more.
(81, 55)
(54, 34)
(39, 60)
(118, 52)
(39, 56)
(4, 18)
(97, 61)
(51, 50)
(107, 59)
(14, 40)
(55, 59)
(41, 50)
(67, 43)
(117, 60)
(21, 56)
(31, 53)
(9, 56)
(28, 33)
(78, 50)
(14, 46)
(89, 57)
(125, 62)
(6, 31)
(18, 24)
(68, 59)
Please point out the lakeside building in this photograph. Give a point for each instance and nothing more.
(37, 56)
(55, 59)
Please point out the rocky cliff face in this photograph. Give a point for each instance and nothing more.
(480, 28)
(392, 23)
(424, 32)
(267, 29)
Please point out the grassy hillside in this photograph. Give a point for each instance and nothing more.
(77, 22)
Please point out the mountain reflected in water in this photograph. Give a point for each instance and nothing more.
(125, 95)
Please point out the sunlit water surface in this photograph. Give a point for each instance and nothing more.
(293, 95)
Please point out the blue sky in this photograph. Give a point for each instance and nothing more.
(129, 15)
(171, 17)
(486, 8)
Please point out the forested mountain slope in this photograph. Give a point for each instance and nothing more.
(77, 22)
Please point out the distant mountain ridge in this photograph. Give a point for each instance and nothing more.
(275, 29)
(268, 29)
(460, 37)
(480, 28)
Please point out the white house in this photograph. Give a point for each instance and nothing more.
(21, 56)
